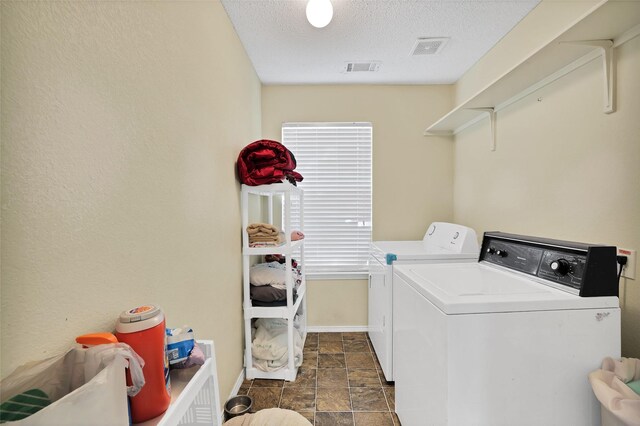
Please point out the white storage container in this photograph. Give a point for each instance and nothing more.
(195, 396)
(619, 403)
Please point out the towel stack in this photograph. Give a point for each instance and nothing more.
(263, 235)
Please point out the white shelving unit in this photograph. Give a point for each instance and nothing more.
(594, 36)
(278, 200)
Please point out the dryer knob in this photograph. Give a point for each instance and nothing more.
(560, 266)
(491, 250)
(501, 253)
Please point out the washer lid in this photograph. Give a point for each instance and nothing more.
(441, 242)
(416, 251)
(467, 288)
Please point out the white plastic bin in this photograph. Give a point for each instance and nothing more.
(620, 405)
(194, 394)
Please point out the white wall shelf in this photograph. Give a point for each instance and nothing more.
(595, 35)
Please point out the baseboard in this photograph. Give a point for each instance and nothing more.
(338, 329)
(236, 386)
(234, 391)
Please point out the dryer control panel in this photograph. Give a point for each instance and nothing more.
(584, 269)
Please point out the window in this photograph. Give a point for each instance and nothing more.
(335, 161)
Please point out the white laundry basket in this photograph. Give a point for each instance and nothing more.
(195, 397)
(620, 405)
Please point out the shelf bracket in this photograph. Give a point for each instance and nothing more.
(608, 69)
(492, 117)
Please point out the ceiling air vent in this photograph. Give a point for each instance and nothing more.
(350, 67)
(428, 46)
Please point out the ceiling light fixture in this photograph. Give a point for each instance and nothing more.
(319, 12)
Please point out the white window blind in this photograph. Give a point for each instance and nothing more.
(335, 161)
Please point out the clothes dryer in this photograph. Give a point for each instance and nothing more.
(443, 242)
(509, 340)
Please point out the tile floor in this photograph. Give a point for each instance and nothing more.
(339, 383)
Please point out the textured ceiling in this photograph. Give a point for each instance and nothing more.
(286, 49)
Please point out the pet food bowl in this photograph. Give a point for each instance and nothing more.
(237, 406)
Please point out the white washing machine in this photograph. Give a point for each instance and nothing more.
(443, 242)
(509, 340)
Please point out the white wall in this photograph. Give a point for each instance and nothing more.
(412, 174)
(121, 123)
(562, 169)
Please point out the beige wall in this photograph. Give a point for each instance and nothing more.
(412, 175)
(120, 129)
(337, 303)
(562, 169)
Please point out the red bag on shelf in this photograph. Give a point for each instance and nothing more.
(266, 161)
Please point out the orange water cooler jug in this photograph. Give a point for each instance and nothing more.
(143, 328)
